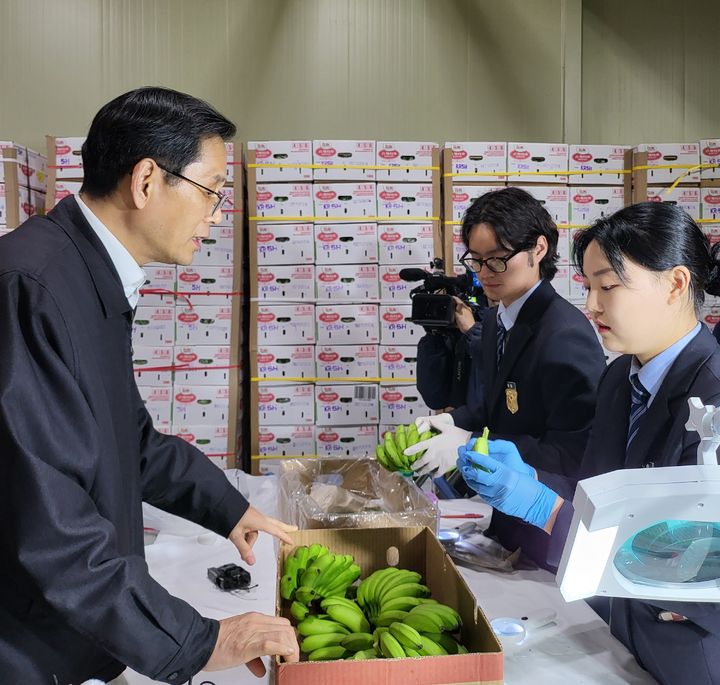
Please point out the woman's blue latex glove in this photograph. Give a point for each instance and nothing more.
(505, 489)
(507, 452)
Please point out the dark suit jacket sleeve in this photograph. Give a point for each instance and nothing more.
(180, 479)
(568, 380)
(54, 535)
(434, 370)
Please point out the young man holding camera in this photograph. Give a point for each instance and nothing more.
(541, 359)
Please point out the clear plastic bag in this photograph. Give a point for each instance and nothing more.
(350, 493)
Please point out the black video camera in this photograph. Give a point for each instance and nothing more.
(433, 310)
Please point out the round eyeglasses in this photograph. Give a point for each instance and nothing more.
(497, 265)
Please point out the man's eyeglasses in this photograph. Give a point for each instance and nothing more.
(497, 265)
(221, 197)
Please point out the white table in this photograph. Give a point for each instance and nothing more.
(575, 648)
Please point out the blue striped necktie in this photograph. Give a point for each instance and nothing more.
(501, 335)
(638, 406)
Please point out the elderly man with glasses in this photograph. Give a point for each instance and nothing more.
(79, 450)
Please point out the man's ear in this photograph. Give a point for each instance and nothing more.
(144, 180)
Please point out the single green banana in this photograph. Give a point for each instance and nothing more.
(391, 452)
(305, 594)
(449, 644)
(363, 654)
(406, 636)
(390, 647)
(376, 638)
(356, 642)
(302, 554)
(412, 435)
(299, 611)
(288, 587)
(292, 566)
(328, 653)
(354, 619)
(382, 457)
(386, 618)
(406, 590)
(401, 604)
(401, 438)
(313, 642)
(430, 648)
(339, 600)
(316, 626)
(411, 652)
(481, 447)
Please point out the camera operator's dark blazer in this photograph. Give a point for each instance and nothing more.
(78, 455)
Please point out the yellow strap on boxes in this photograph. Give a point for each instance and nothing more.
(255, 457)
(563, 227)
(565, 172)
(380, 167)
(329, 381)
(344, 219)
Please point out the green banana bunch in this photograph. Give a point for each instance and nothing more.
(295, 566)
(390, 593)
(390, 454)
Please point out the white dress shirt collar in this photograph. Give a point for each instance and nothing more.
(131, 275)
(510, 314)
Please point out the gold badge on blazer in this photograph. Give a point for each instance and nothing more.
(511, 397)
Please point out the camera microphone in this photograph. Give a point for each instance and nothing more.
(411, 275)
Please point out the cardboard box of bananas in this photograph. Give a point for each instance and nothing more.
(388, 615)
(390, 453)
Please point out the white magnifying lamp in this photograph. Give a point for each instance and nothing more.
(651, 534)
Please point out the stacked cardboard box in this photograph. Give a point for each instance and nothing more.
(685, 175)
(332, 223)
(187, 326)
(23, 184)
(710, 213)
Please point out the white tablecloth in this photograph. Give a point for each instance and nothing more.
(575, 647)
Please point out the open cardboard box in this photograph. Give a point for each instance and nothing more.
(417, 549)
